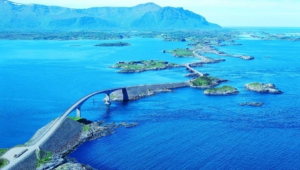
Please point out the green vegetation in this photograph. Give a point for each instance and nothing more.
(44, 159)
(54, 35)
(112, 96)
(84, 122)
(3, 150)
(180, 52)
(3, 162)
(86, 128)
(114, 44)
(222, 89)
(139, 66)
(258, 86)
(75, 118)
(81, 120)
(204, 81)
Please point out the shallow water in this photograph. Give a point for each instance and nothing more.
(183, 129)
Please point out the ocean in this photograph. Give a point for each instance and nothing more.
(182, 129)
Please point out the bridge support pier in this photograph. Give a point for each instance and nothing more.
(107, 99)
(78, 112)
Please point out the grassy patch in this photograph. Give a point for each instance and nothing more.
(3, 150)
(180, 52)
(220, 89)
(75, 118)
(204, 81)
(86, 128)
(256, 85)
(112, 96)
(3, 162)
(45, 159)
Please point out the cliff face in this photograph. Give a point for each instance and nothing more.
(149, 16)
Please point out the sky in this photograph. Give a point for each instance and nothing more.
(227, 13)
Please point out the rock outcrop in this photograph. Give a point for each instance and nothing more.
(74, 166)
(255, 104)
(263, 88)
(221, 91)
(66, 138)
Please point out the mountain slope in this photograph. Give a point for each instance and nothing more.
(172, 18)
(147, 16)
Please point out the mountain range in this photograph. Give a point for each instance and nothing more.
(149, 16)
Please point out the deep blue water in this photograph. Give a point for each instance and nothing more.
(183, 129)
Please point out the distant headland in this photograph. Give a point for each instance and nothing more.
(149, 16)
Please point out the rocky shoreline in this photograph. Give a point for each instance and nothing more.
(90, 131)
(221, 91)
(206, 82)
(212, 50)
(263, 88)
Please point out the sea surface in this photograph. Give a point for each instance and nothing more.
(182, 129)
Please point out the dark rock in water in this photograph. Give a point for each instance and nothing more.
(256, 104)
(56, 162)
(191, 75)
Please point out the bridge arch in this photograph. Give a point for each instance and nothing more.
(77, 106)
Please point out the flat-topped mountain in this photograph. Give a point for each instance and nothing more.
(149, 16)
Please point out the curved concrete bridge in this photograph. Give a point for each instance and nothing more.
(188, 67)
(18, 154)
(80, 102)
(130, 92)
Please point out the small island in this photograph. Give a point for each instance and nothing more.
(144, 65)
(114, 44)
(180, 52)
(263, 88)
(206, 82)
(255, 104)
(246, 57)
(224, 90)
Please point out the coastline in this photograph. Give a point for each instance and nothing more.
(189, 65)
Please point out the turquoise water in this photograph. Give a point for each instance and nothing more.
(183, 129)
